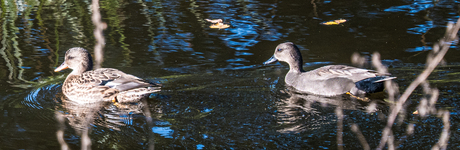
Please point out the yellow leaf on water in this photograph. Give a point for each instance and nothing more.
(334, 22)
(330, 23)
(219, 26)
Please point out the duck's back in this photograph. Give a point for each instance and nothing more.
(102, 84)
(334, 71)
(328, 80)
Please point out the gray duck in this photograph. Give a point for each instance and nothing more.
(86, 85)
(331, 80)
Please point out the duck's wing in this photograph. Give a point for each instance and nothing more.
(334, 71)
(115, 79)
(83, 88)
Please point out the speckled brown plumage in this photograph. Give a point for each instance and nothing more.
(105, 84)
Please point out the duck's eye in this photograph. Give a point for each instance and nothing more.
(70, 57)
(279, 49)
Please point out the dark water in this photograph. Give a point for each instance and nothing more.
(216, 93)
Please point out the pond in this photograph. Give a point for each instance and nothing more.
(216, 93)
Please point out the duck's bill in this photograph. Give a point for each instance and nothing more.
(273, 59)
(62, 67)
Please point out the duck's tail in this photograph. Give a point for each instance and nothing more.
(135, 95)
(384, 78)
(370, 85)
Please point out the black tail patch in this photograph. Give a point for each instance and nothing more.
(371, 85)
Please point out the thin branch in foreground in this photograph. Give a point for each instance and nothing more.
(390, 86)
(149, 120)
(433, 60)
(390, 141)
(60, 133)
(360, 136)
(85, 140)
(426, 106)
(409, 132)
(358, 60)
(444, 138)
(339, 113)
(99, 26)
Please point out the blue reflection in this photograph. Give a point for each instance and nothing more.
(244, 35)
(31, 99)
(40, 97)
(424, 48)
(199, 146)
(421, 28)
(237, 60)
(243, 53)
(412, 8)
(419, 49)
(206, 111)
(163, 131)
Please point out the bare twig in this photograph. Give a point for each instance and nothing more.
(98, 27)
(390, 141)
(432, 61)
(314, 8)
(409, 132)
(148, 118)
(390, 86)
(442, 143)
(60, 133)
(339, 113)
(360, 136)
(85, 140)
(428, 106)
(358, 60)
(392, 91)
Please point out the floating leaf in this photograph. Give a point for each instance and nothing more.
(214, 20)
(219, 26)
(334, 22)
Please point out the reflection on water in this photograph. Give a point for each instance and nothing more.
(83, 117)
(217, 94)
(299, 113)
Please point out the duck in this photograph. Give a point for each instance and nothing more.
(330, 80)
(86, 85)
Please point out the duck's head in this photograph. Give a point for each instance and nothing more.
(78, 59)
(289, 53)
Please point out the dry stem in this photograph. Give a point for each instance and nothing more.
(99, 26)
(432, 61)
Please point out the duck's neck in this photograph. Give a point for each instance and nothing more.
(83, 67)
(296, 66)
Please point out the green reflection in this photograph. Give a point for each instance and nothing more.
(10, 50)
(116, 27)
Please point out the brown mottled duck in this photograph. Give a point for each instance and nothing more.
(86, 85)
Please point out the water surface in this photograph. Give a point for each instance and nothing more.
(216, 93)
